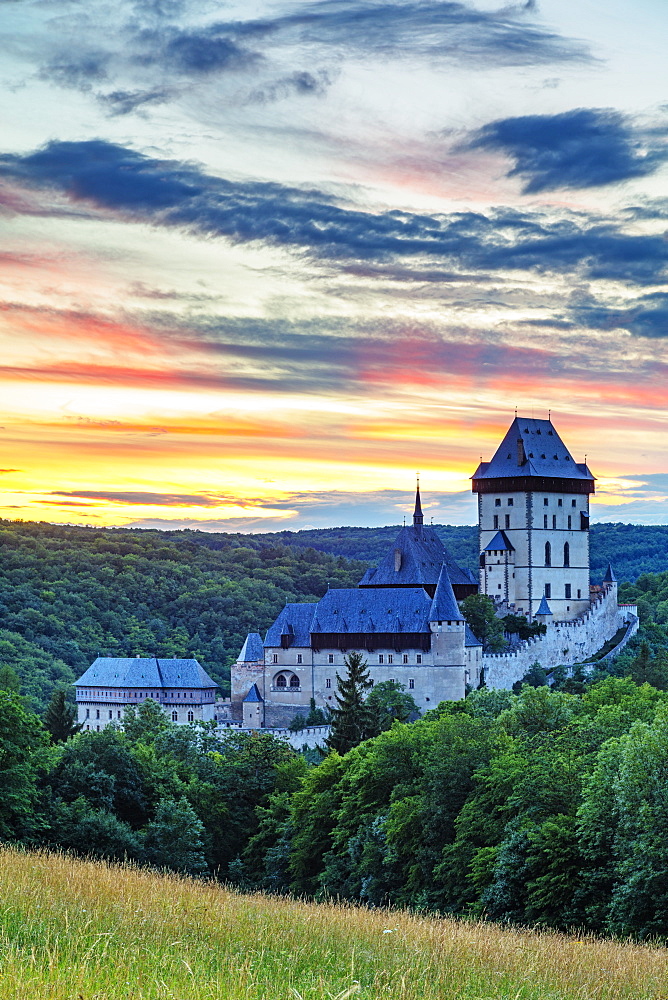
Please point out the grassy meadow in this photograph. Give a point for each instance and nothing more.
(76, 930)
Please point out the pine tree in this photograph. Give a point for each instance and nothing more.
(353, 720)
(59, 718)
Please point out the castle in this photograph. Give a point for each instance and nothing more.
(533, 531)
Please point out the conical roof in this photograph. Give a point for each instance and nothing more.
(254, 694)
(544, 607)
(609, 575)
(444, 607)
(252, 648)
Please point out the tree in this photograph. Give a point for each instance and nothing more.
(648, 669)
(480, 614)
(521, 626)
(59, 718)
(353, 721)
(174, 838)
(535, 677)
(389, 703)
(22, 737)
(9, 679)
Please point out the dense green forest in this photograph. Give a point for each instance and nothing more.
(631, 548)
(69, 593)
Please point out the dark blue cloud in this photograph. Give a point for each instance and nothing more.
(586, 147)
(78, 70)
(169, 193)
(646, 317)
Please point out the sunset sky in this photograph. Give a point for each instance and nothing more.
(260, 262)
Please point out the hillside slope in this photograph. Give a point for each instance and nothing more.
(73, 929)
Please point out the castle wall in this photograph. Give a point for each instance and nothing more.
(565, 642)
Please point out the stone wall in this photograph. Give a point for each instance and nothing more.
(565, 643)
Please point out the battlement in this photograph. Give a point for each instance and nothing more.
(565, 642)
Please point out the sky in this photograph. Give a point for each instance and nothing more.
(262, 262)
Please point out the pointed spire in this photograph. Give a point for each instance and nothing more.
(609, 575)
(418, 517)
(444, 606)
(543, 607)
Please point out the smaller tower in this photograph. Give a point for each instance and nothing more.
(448, 637)
(544, 613)
(253, 707)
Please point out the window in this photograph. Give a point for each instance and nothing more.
(579, 594)
(88, 713)
(405, 657)
(294, 681)
(545, 501)
(275, 658)
(545, 520)
(299, 657)
(548, 554)
(497, 502)
(111, 714)
(574, 503)
(281, 681)
(507, 520)
(560, 502)
(411, 684)
(567, 591)
(175, 716)
(554, 520)
(330, 658)
(567, 556)
(390, 658)
(570, 522)
(381, 658)
(97, 715)
(510, 501)
(418, 658)
(191, 716)
(328, 682)
(119, 713)
(496, 520)
(548, 590)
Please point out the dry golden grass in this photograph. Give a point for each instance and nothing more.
(73, 930)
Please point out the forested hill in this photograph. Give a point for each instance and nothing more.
(632, 549)
(68, 594)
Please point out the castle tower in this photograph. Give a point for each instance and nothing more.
(533, 522)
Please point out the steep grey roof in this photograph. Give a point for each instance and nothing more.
(532, 448)
(254, 695)
(296, 616)
(444, 607)
(609, 575)
(414, 560)
(145, 672)
(544, 607)
(469, 638)
(252, 648)
(500, 543)
(369, 611)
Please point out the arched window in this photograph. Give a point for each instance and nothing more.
(280, 681)
(548, 554)
(175, 716)
(191, 716)
(294, 681)
(567, 554)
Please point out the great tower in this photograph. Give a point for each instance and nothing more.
(533, 523)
